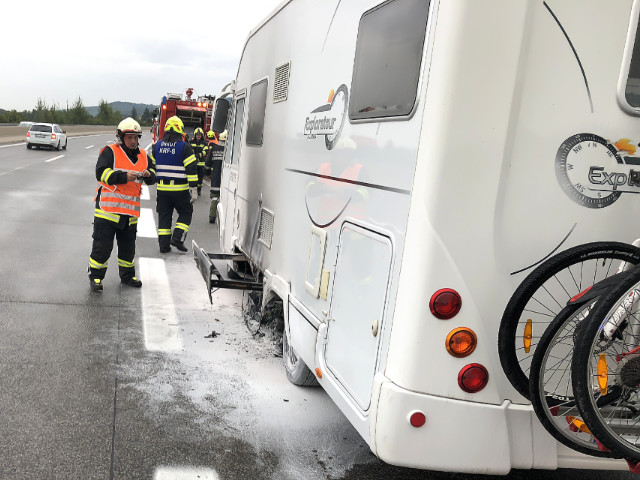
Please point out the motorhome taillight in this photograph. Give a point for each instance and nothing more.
(417, 419)
(473, 378)
(461, 342)
(318, 373)
(445, 303)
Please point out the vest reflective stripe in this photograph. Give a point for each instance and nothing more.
(123, 198)
(171, 187)
(113, 217)
(170, 171)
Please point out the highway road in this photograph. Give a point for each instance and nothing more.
(151, 383)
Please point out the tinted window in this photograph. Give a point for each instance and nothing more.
(388, 57)
(632, 90)
(257, 107)
(40, 128)
(237, 131)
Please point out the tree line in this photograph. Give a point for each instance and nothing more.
(76, 115)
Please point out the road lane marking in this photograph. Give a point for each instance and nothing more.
(159, 318)
(87, 148)
(54, 158)
(147, 224)
(12, 145)
(145, 195)
(185, 473)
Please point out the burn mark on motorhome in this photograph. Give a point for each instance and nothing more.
(584, 75)
(547, 256)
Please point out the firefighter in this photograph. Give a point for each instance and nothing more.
(120, 170)
(177, 176)
(214, 163)
(198, 145)
(211, 140)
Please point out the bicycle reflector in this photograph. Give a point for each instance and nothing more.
(461, 342)
(528, 335)
(445, 303)
(603, 374)
(473, 378)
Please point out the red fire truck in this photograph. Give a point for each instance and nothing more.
(194, 112)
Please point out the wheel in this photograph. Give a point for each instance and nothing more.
(58, 146)
(544, 292)
(28, 146)
(550, 387)
(606, 369)
(297, 371)
(66, 141)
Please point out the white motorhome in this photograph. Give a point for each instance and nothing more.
(381, 153)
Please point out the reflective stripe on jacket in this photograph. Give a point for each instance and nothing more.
(123, 198)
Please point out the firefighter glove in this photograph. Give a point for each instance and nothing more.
(193, 191)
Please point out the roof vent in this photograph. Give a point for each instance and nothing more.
(281, 83)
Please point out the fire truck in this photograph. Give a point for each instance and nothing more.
(193, 111)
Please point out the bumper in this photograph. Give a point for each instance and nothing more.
(467, 437)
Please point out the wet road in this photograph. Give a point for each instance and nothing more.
(152, 383)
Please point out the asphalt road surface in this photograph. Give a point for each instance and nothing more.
(151, 383)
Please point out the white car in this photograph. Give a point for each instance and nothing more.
(46, 135)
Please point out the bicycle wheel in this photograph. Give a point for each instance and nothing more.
(550, 388)
(606, 368)
(544, 292)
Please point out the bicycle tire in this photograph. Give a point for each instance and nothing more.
(516, 368)
(613, 421)
(550, 386)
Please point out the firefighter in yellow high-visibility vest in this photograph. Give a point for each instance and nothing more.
(120, 171)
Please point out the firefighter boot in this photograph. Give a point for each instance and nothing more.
(179, 245)
(132, 282)
(96, 284)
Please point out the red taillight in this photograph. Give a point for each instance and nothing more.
(53, 136)
(28, 134)
(473, 378)
(417, 419)
(445, 303)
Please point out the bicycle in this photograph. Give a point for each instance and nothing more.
(543, 294)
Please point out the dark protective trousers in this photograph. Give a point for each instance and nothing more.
(166, 202)
(103, 233)
(200, 177)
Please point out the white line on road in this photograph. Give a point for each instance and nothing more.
(147, 224)
(54, 158)
(145, 195)
(12, 145)
(159, 318)
(90, 146)
(185, 473)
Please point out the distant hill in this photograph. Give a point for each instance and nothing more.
(124, 108)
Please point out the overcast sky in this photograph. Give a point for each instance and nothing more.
(134, 51)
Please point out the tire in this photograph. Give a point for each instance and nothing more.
(297, 371)
(545, 291)
(28, 146)
(611, 413)
(66, 141)
(550, 386)
(57, 147)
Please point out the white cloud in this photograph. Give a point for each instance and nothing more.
(121, 51)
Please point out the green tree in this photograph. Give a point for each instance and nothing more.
(106, 115)
(134, 113)
(41, 111)
(78, 115)
(146, 118)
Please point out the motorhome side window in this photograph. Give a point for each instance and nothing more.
(632, 89)
(237, 131)
(387, 61)
(257, 108)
